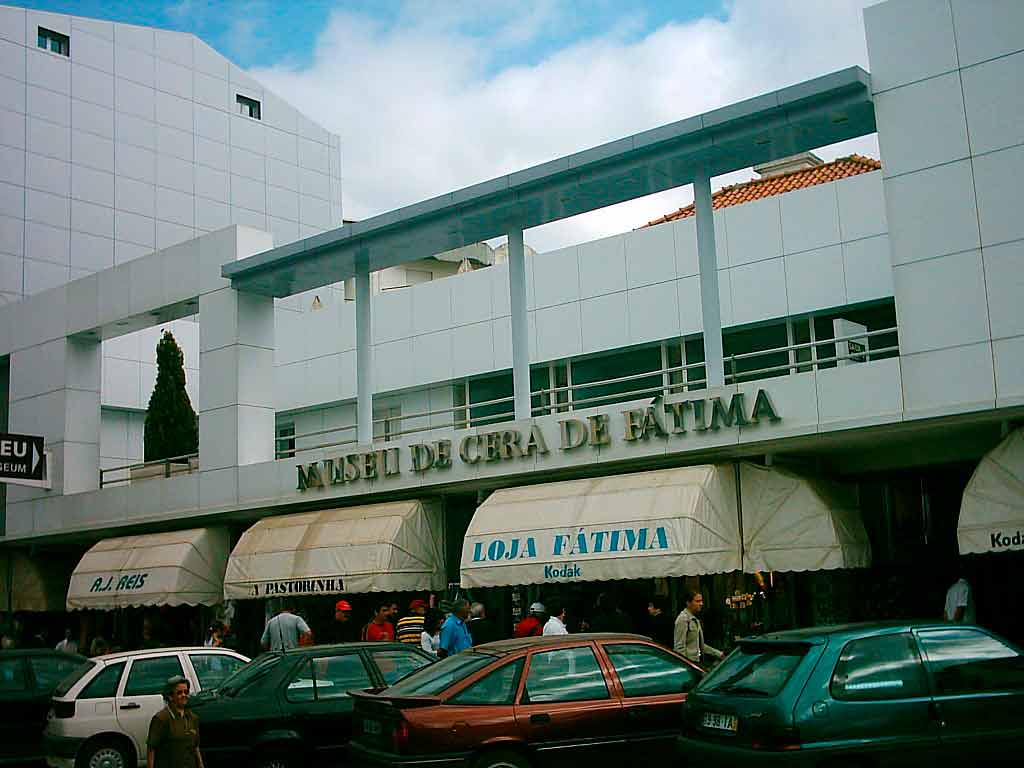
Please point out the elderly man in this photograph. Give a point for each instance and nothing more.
(455, 636)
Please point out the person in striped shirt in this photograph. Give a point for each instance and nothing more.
(410, 627)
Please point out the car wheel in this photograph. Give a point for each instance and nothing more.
(105, 754)
(502, 759)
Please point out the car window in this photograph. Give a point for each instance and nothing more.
(755, 669)
(77, 674)
(396, 663)
(50, 670)
(147, 677)
(497, 687)
(335, 676)
(879, 669)
(435, 678)
(214, 668)
(300, 687)
(969, 661)
(565, 674)
(249, 673)
(645, 670)
(104, 685)
(12, 676)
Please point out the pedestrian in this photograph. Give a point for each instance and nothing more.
(345, 630)
(173, 740)
(380, 628)
(215, 636)
(960, 603)
(67, 645)
(430, 636)
(533, 624)
(393, 613)
(286, 630)
(659, 623)
(409, 628)
(481, 629)
(555, 624)
(99, 646)
(455, 636)
(688, 634)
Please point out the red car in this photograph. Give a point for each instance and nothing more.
(571, 700)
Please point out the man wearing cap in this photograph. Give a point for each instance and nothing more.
(409, 628)
(532, 625)
(345, 630)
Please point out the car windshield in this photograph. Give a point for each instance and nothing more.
(435, 678)
(249, 673)
(73, 677)
(754, 669)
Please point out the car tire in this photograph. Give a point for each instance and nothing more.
(502, 759)
(106, 753)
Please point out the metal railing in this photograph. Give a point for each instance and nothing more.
(173, 465)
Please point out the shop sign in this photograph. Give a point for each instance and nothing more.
(22, 457)
(319, 586)
(1006, 540)
(127, 582)
(661, 420)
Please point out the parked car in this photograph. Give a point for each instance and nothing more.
(861, 695)
(292, 708)
(564, 700)
(27, 681)
(101, 713)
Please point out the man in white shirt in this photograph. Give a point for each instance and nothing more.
(286, 630)
(67, 645)
(960, 604)
(556, 624)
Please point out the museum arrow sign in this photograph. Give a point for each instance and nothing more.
(21, 457)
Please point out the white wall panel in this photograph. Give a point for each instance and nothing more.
(650, 255)
(996, 31)
(815, 280)
(810, 218)
(604, 322)
(909, 41)
(602, 266)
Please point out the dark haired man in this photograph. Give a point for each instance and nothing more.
(380, 627)
(688, 636)
(659, 624)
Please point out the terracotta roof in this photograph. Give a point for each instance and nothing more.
(777, 185)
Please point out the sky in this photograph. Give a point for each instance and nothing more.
(429, 97)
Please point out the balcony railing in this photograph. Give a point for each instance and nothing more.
(147, 470)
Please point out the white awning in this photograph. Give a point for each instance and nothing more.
(673, 522)
(30, 583)
(992, 510)
(793, 522)
(393, 547)
(173, 568)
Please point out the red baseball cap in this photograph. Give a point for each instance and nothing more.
(417, 603)
(342, 605)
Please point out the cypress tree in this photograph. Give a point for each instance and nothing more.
(171, 426)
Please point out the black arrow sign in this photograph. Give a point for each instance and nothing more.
(21, 457)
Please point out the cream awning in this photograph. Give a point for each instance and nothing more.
(794, 522)
(672, 522)
(30, 583)
(992, 509)
(173, 568)
(393, 547)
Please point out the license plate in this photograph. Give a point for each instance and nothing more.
(720, 722)
(371, 727)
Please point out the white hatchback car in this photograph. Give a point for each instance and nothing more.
(100, 715)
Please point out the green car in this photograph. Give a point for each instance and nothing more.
(879, 694)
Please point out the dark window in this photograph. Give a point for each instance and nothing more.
(249, 674)
(567, 674)
(49, 40)
(647, 671)
(752, 341)
(394, 665)
(248, 107)
(879, 669)
(77, 674)
(637, 362)
(485, 390)
(497, 687)
(213, 668)
(12, 676)
(148, 676)
(300, 687)
(104, 685)
(50, 670)
(335, 676)
(755, 669)
(969, 661)
(435, 678)
(285, 447)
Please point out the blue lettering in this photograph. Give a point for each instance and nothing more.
(561, 539)
(513, 551)
(496, 550)
(598, 537)
(478, 552)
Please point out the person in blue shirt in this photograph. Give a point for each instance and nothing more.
(455, 635)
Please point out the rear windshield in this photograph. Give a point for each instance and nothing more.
(754, 669)
(249, 673)
(73, 677)
(435, 678)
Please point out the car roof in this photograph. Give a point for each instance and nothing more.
(306, 649)
(118, 655)
(861, 629)
(38, 652)
(518, 643)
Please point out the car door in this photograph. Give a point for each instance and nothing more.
(316, 701)
(654, 684)
(141, 694)
(16, 740)
(979, 693)
(211, 669)
(566, 708)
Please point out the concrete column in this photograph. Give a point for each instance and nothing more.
(711, 312)
(364, 359)
(55, 392)
(520, 325)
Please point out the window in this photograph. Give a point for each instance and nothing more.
(647, 671)
(49, 40)
(569, 674)
(497, 687)
(969, 661)
(248, 107)
(50, 670)
(104, 685)
(300, 687)
(77, 674)
(755, 669)
(585, 372)
(148, 676)
(435, 678)
(328, 677)
(879, 669)
(394, 665)
(213, 668)
(249, 674)
(284, 447)
(12, 676)
(387, 422)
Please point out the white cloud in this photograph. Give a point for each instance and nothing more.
(422, 108)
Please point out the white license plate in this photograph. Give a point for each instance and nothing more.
(720, 722)
(371, 727)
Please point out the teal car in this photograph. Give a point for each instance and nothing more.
(863, 695)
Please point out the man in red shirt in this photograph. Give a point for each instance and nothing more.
(532, 625)
(379, 628)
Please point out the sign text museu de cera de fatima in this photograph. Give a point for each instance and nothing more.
(659, 421)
